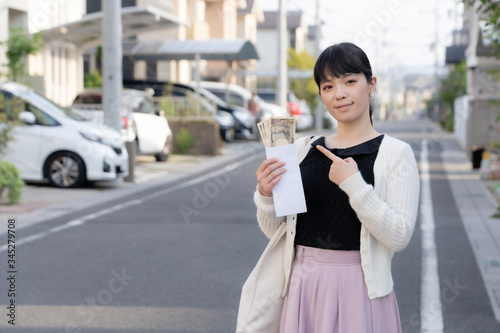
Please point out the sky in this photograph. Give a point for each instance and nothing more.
(397, 35)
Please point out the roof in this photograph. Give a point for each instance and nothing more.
(87, 32)
(212, 49)
(293, 18)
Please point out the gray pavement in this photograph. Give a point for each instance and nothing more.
(41, 202)
(476, 200)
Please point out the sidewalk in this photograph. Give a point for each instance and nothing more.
(41, 202)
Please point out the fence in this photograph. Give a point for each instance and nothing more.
(186, 108)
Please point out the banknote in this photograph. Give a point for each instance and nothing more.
(277, 131)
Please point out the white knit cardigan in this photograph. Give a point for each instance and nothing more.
(387, 212)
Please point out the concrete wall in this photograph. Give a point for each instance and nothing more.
(205, 134)
(483, 125)
(477, 122)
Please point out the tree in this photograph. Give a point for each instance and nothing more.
(452, 86)
(489, 11)
(9, 110)
(303, 88)
(9, 175)
(19, 45)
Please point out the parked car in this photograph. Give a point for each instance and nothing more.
(243, 125)
(54, 143)
(141, 123)
(297, 108)
(305, 120)
(239, 96)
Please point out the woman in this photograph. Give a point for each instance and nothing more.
(362, 191)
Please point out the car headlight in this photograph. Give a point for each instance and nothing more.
(95, 136)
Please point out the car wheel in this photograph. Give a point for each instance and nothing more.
(66, 170)
(228, 135)
(167, 149)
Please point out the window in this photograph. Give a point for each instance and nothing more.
(41, 117)
(236, 100)
(88, 99)
(146, 107)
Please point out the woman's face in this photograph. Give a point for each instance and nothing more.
(347, 97)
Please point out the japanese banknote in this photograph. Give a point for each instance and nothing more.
(277, 131)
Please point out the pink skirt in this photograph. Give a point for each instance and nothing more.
(328, 294)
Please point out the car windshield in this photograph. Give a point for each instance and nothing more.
(44, 102)
(207, 94)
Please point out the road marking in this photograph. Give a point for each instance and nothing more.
(431, 316)
(86, 218)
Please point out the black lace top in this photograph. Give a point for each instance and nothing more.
(330, 222)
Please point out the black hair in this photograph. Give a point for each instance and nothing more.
(341, 59)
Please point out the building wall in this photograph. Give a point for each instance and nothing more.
(166, 70)
(481, 123)
(199, 29)
(59, 64)
(12, 14)
(57, 67)
(267, 47)
(247, 27)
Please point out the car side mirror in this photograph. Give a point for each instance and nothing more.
(27, 117)
(160, 113)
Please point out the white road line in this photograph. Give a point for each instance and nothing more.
(105, 211)
(431, 316)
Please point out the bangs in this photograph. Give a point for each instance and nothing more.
(339, 60)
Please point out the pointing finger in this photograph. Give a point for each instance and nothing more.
(329, 154)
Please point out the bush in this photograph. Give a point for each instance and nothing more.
(93, 80)
(184, 140)
(9, 179)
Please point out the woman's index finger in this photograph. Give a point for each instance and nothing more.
(328, 154)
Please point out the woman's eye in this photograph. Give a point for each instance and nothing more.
(326, 87)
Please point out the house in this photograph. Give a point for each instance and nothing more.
(248, 19)
(477, 113)
(57, 69)
(73, 34)
(267, 41)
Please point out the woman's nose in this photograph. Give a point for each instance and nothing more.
(340, 93)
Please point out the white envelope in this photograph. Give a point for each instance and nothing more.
(288, 194)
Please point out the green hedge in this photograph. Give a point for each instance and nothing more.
(9, 179)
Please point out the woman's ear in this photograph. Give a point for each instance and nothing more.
(373, 84)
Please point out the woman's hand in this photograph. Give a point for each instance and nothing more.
(268, 175)
(340, 169)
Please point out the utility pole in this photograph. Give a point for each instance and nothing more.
(319, 108)
(437, 111)
(112, 81)
(112, 62)
(282, 79)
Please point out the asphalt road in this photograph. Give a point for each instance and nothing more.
(174, 259)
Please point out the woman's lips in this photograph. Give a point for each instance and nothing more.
(343, 107)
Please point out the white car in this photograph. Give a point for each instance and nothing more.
(54, 143)
(141, 123)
